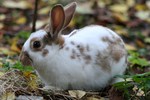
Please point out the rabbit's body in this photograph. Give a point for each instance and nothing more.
(87, 58)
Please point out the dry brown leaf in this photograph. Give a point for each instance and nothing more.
(140, 43)
(14, 45)
(140, 7)
(44, 10)
(6, 51)
(8, 96)
(2, 17)
(84, 8)
(32, 79)
(120, 17)
(130, 47)
(119, 8)
(130, 3)
(21, 20)
(1, 73)
(144, 15)
(77, 93)
(40, 23)
(1, 25)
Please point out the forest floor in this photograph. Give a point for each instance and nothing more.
(129, 18)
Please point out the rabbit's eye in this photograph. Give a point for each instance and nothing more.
(36, 44)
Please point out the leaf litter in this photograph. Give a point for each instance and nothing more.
(129, 18)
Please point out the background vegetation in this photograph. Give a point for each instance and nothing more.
(129, 18)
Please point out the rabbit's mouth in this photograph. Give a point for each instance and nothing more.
(25, 59)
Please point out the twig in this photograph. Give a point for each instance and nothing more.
(35, 16)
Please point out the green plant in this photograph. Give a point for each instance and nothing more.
(137, 86)
(7, 65)
(134, 59)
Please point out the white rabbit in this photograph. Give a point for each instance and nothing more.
(86, 59)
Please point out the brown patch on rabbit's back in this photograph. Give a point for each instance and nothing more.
(117, 52)
(103, 61)
(116, 47)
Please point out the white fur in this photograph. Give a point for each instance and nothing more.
(58, 69)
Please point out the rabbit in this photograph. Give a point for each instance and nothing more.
(87, 59)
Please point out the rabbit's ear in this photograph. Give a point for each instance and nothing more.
(69, 12)
(57, 18)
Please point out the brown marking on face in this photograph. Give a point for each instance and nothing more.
(59, 40)
(45, 52)
(73, 33)
(47, 40)
(25, 58)
(37, 49)
(103, 61)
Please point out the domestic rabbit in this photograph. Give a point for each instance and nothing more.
(86, 59)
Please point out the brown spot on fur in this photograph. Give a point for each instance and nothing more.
(45, 52)
(59, 41)
(72, 43)
(87, 59)
(103, 61)
(67, 48)
(117, 52)
(73, 56)
(81, 48)
(116, 47)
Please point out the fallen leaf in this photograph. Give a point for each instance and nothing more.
(140, 7)
(32, 79)
(8, 96)
(119, 8)
(147, 40)
(130, 47)
(21, 20)
(143, 15)
(1, 25)
(14, 45)
(77, 93)
(2, 17)
(40, 23)
(120, 17)
(6, 51)
(1, 73)
(130, 3)
(22, 4)
(84, 8)
(140, 43)
(44, 10)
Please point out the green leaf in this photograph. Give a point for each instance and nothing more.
(23, 34)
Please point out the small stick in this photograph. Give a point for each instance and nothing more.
(35, 16)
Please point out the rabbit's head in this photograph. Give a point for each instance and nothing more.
(41, 43)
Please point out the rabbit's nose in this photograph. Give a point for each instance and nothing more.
(25, 58)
